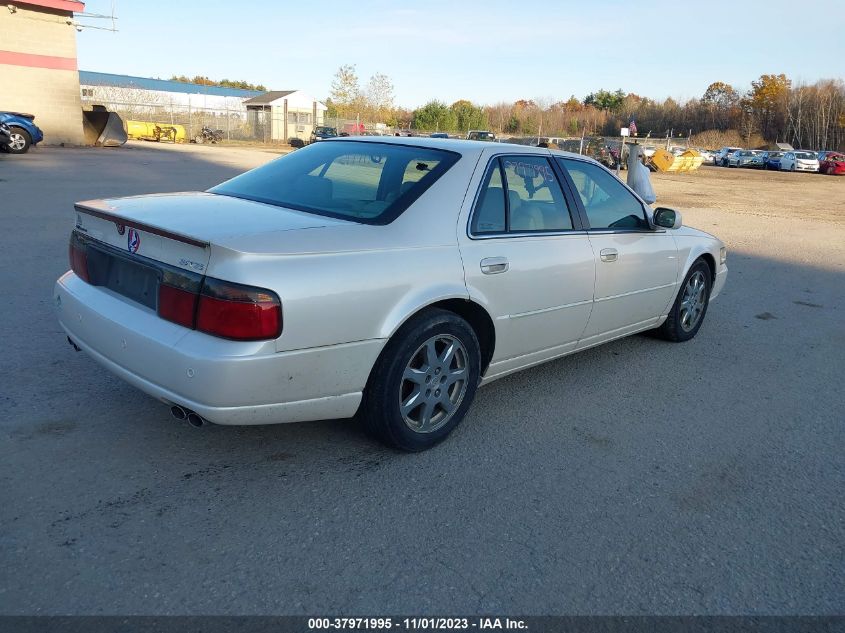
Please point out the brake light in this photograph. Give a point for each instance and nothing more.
(239, 312)
(78, 256)
(220, 308)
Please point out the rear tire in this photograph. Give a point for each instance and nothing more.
(690, 307)
(423, 382)
(19, 142)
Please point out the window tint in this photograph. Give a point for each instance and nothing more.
(607, 202)
(417, 168)
(361, 181)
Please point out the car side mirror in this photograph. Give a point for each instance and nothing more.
(667, 218)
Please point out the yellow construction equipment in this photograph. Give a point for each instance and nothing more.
(150, 131)
(666, 161)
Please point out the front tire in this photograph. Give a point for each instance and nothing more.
(19, 142)
(423, 383)
(690, 306)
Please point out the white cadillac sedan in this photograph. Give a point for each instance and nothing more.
(387, 278)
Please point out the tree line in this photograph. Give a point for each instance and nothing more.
(772, 109)
(223, 83)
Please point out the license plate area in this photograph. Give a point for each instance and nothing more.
(127, 277)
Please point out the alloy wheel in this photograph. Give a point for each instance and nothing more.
(693, 301)
(434, 383)
(17, 142)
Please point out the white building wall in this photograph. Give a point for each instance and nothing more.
(141, 96)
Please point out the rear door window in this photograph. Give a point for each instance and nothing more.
(520, 194)
(535, 199)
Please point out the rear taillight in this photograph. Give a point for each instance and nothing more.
(78, 256)
(239, 312)
(220, 308)
(177, 305)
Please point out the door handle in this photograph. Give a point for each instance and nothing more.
(609, 254)
(494, 265)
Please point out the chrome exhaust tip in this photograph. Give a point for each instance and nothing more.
(178, 412)
(195, 419)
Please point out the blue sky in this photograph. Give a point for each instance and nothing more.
(483, 51)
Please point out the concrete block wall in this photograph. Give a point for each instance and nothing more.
(38, 72)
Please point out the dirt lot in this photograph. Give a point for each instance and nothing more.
(755, 192)
(640, 477)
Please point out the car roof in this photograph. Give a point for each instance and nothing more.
(458, 145)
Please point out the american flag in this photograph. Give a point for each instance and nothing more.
(632, 128)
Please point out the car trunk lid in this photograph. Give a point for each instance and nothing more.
(133, 246)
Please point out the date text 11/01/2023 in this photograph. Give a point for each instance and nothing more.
(423, 623)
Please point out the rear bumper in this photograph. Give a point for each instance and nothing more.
(226, 382)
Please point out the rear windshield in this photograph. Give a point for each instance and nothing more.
(360, 181)
(326, 130)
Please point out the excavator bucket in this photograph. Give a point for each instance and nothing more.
(103, 128)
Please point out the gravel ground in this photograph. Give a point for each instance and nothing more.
(636, 478)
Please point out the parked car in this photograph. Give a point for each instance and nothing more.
(721, 157)
(480, 135)
(833, 163)
(771, 160)
(23, 132)
(354, 129)
(387, 279)
(706, 154)
(5, 135)
(746, 158)
(322, 132)
(799, 160)
(439, 135)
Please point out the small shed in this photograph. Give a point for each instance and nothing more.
(281, 115)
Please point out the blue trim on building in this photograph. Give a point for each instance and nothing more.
(89, 78)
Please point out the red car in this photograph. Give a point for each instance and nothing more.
(832, 163)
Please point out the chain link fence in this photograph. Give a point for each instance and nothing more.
(234, 122)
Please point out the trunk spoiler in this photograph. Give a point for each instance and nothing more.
(99, 209)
